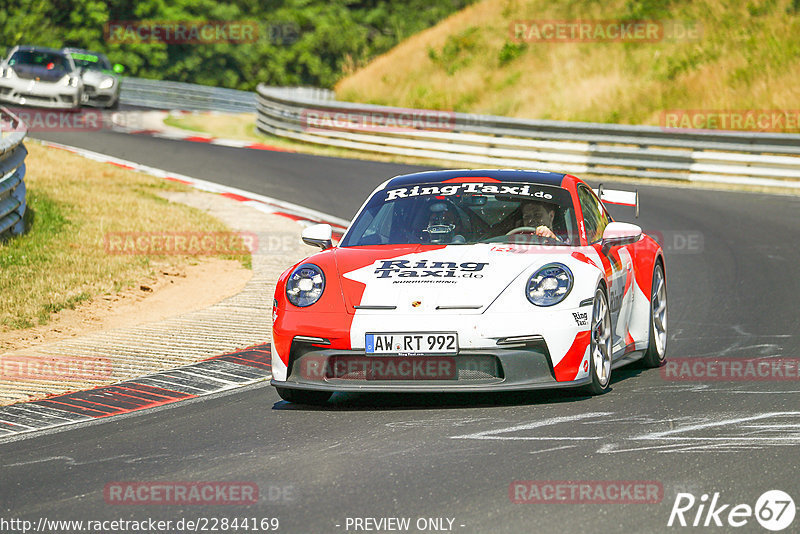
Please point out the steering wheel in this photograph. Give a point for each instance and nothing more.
(521, 229)
(532, 230)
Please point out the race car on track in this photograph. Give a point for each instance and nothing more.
(38, 76)
(101, 81)
(471, 280)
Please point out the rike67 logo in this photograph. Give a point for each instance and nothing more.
(774, 510)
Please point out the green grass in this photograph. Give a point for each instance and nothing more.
(61, 260)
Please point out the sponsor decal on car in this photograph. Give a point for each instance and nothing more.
(581, 318)
(466, 188)
(432, 269)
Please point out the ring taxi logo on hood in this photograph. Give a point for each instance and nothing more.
(428, 269)
(467, 188)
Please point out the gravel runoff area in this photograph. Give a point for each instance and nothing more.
(237, 322)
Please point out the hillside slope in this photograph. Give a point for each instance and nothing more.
(745, 56)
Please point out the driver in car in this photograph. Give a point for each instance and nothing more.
(537, 218)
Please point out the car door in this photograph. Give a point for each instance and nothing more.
(616, 262)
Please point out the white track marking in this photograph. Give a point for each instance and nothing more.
(670, 434)
(554, 449)
(493, 434)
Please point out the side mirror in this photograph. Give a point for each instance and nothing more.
(118, 68)
(620, 233)
(319, 235)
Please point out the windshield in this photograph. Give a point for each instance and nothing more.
(48, 60)
(465, 213)
(90, 61)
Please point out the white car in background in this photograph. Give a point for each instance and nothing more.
(101, 81)
(41, 77)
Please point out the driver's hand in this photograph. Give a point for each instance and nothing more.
(544, 231)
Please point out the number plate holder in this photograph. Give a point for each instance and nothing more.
(411, 343)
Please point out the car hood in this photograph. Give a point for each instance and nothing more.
(31, 72)
(94, 77)
(462, 278)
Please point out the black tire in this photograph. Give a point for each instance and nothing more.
(656, 353)
(302, 396)
(600, 342)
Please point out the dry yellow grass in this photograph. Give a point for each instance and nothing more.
(73, 203)
(224, 125)
(748, 57)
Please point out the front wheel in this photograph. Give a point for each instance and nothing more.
(600, 345)
(656, 353)
(302, 396)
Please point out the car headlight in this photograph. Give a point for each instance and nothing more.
(305, 285)
(68, 80)
(107, 83)
(549, 285)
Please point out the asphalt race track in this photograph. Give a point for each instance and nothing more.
(734, 282)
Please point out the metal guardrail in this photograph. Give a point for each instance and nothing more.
(161, 94)
(188, 96)
(574, 147)
(12, 174)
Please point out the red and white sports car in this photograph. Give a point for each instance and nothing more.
(465, 280)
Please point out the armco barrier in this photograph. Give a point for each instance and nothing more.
(192, 97)
(12, 174)
(767, 159)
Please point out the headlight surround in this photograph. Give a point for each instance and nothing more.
(106, 83)
(305, 285)
(68, 80)
(549, 285)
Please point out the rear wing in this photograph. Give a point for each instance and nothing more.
(622, 198)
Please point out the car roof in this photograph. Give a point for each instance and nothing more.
(29, 48)
(503, 175)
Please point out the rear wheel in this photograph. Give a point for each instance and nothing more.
(302, 396)
(600, 345)
(656, 353)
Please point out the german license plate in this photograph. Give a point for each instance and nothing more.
(412, 343)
